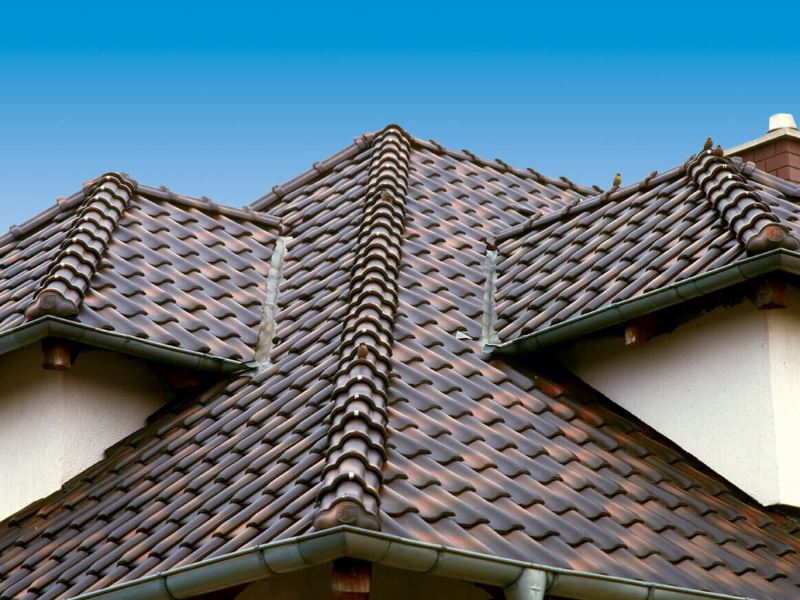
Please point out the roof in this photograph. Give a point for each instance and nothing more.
(377, 407)
(143, 262)
(588, 259)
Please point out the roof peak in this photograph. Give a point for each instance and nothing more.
(363, 141)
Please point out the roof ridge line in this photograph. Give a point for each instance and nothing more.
(319, 168)
(536, 222)
(207, 204)
(62, 202)
(61, 290)
(500, 165)
(751, 221)
(364, 140)
(352, 474)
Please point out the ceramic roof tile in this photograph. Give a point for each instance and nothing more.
(479, 454)
(622, 244)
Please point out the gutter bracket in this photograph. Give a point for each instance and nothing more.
(530, 585)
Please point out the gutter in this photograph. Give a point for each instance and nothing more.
(49, 326)
(676, 293)
(520, 579)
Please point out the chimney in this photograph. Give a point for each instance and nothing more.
(777, 152)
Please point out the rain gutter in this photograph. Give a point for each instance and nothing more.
(521, 580)
(49, 326)
(676, 293)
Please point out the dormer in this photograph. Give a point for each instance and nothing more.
(676, 297)
(114, 303)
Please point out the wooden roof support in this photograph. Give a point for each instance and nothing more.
(351, 579)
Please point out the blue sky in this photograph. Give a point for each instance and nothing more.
(227, 100)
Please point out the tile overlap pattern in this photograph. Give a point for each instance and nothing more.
(480, 454)
(622, 244)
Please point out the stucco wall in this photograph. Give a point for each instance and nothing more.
(387, 584)
(55, 424)
(723, 386)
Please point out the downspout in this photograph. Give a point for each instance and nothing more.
(531, 585)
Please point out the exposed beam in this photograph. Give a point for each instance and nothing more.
(351, 579)
(57, 354)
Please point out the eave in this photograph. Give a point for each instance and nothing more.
(49, 326)
(284, 556)
(650, 302)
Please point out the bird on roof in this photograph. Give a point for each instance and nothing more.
(617, 180)
(709, 144)
(718, 151)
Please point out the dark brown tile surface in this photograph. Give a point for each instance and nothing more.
(158, 266)
(478, 455)
(706, 214)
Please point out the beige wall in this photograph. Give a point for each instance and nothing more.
(724, 387)
(55, 424)
(387, 584)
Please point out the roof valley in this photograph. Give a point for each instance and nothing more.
(63, 287)
(351, 477)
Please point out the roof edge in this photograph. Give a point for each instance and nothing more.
(49, 326)
(671, 295)
(362, 142)
(311, 549)
(63, 287)
(536, 222)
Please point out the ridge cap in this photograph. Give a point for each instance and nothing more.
(727, 190)
(352, 471)
(61, 290)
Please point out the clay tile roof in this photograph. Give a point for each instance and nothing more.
(376, 406)
(142, 262)
(588, 258)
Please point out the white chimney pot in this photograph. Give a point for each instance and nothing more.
(781, 121)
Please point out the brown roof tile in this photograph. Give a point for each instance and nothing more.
(479, 454)
(583, 259)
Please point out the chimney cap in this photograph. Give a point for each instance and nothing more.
(781, 121)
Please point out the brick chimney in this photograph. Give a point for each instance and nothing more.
(776, 152)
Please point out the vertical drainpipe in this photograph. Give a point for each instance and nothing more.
(531, 585)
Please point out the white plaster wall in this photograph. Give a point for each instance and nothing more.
(783, 328)
(55, 424)
(723, 387)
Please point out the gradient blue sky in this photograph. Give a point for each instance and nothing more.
(227, 100)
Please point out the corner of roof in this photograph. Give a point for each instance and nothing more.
(61, 290)
(725, 188)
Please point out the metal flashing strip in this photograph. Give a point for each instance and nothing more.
(681, 291)
(489, 316)
(521, 580)
(266, 335)
(49, 326)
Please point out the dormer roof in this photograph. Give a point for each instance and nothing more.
(131, 266)
(708, 224)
